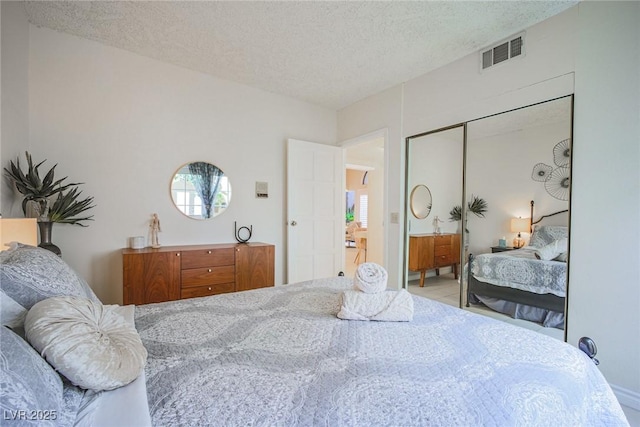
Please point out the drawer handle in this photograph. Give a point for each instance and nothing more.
(209, 270)
(178, 254)
(208, 252)
(209, 287)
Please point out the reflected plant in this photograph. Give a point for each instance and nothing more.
(477, 205)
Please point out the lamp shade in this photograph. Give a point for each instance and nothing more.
(23, 230)
(520, 225)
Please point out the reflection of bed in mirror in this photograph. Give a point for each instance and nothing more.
(530, 146)
(527, 283)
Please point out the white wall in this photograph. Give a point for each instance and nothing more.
(604, 293)
(375, 229)
(123, 124)
(604, 276)
(460, 92)
(15, 96)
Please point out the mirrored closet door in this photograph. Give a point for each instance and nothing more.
(505, 202)
(433, 189)
(518, 164)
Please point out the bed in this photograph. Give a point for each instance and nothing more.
(520, 284)
(280, 357)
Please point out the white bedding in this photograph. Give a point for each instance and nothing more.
(520, 269)
(281, 357)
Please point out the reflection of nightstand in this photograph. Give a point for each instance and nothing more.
(495, 249)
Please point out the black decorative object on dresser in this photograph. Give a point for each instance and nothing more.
(242, 234)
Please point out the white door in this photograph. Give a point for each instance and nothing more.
(315, 210)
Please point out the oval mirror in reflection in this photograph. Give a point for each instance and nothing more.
(420, 201)
(200, 190)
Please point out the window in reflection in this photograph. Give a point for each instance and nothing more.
(200, 190)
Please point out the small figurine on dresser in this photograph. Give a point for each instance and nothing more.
(436, 225)
(154, 225)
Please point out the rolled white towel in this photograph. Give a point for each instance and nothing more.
(370, 278)
(390, 306)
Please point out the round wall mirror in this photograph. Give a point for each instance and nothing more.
(200, 190)
(420, 201)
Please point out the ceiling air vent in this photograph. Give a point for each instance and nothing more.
(502, 51)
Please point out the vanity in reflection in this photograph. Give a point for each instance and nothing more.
(430, 251)
(433, 251)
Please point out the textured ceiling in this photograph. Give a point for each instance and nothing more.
(330, 53)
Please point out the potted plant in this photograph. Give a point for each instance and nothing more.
(49, 200)
(478, 206)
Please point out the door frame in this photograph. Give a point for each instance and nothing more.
(384, 134)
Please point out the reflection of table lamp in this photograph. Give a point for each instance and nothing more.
(519, 225)
(23, 230)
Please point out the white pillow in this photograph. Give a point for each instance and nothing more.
(562, 257)
(553, 250)
(90, 344)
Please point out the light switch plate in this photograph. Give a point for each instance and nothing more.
(394, 218)
(262, 190)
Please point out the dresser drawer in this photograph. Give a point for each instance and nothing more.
(443, 260)
(203, 291)
(208, 258)
(442, 240)
(442, 250)
(208, 276)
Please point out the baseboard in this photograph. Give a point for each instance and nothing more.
(627, 397)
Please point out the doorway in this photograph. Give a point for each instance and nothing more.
(364, 201)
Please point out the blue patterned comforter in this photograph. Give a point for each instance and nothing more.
(281, 357)
(520, 269)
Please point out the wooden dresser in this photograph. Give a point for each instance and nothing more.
(433, 251)
(174, 272)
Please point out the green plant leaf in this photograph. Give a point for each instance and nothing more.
(455, 214)
(477, 206)
(30, 184)
(67, 207)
